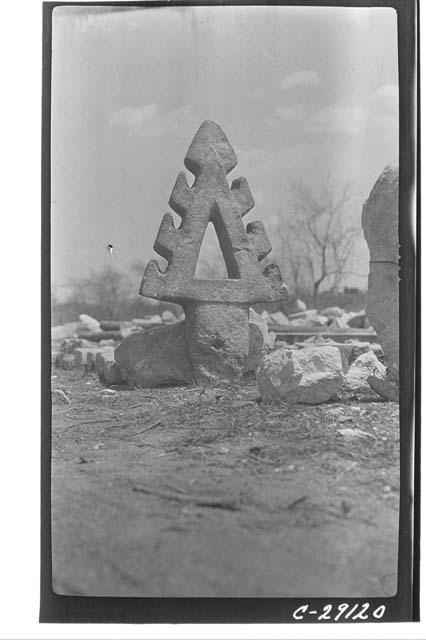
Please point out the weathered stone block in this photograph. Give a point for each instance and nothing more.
(357, 321)
(367, 364)
(62, 331)
(102, 356)
(279, 318)
(259, 340)
(158, 356)
(380, 226)
(332, 312)
(80, 356)
(87, 323)
(310, 375)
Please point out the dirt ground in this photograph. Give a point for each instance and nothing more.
(193, 492)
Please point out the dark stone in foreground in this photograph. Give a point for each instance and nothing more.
(155, 357)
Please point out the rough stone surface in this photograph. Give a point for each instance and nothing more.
(308, 314)
(310, 376)
(210, 158)
(216, 311)
(155, 357)
(357, 321)
(107, 369)
(267, 317)
(62, 331)
(332, 312)
(299, 305)
(218, 341)
(259, 340)
(111, 373)
(279, 318)
(87, 323)
(319, 321)
(380, 226)
(384, 388)
(91, 359)
(339, 323)
(367, 364)
(80, 356)
(65, 361)
(107, 343)
(147, 323)
(102, 356)
(349, 351)
(69, 345)
(168, 317)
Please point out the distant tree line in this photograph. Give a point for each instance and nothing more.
(313, 247)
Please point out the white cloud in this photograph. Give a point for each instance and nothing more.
(293, 112)
(348, 119)
(150, 120)
(353, 117)
(304, 78)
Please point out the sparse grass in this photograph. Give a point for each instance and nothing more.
(286, 469)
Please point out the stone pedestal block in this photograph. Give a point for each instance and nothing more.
(217, 336)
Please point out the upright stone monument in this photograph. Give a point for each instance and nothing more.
(380, 226)
(216, 311)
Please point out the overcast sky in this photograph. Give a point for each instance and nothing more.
(298, 92)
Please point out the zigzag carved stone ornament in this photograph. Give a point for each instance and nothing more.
(217, 311)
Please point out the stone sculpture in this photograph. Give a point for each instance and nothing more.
(216, 311)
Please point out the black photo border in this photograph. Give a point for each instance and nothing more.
(402, 607)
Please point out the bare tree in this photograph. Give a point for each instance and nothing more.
(104, 291)
(317, 242)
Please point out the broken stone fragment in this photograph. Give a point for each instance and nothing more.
(90, 360)
(102, 356)
(111, 373)
(147, 323)
(319, 321)
(357, 321)
(367, 364)
(168, 317)
(267, 317)
(339, 323)
(107, 369)
(308, 314)
(158, 356)
(310, 376)
(298, 305)
(69, 345)
(65, 361)
(380, 226)
(349, 351)
(81, 356)
(60, 397)
(384, 388)
(259, 340)
(332, 312)
(62, 331)
(87, 323)
(279, 318)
